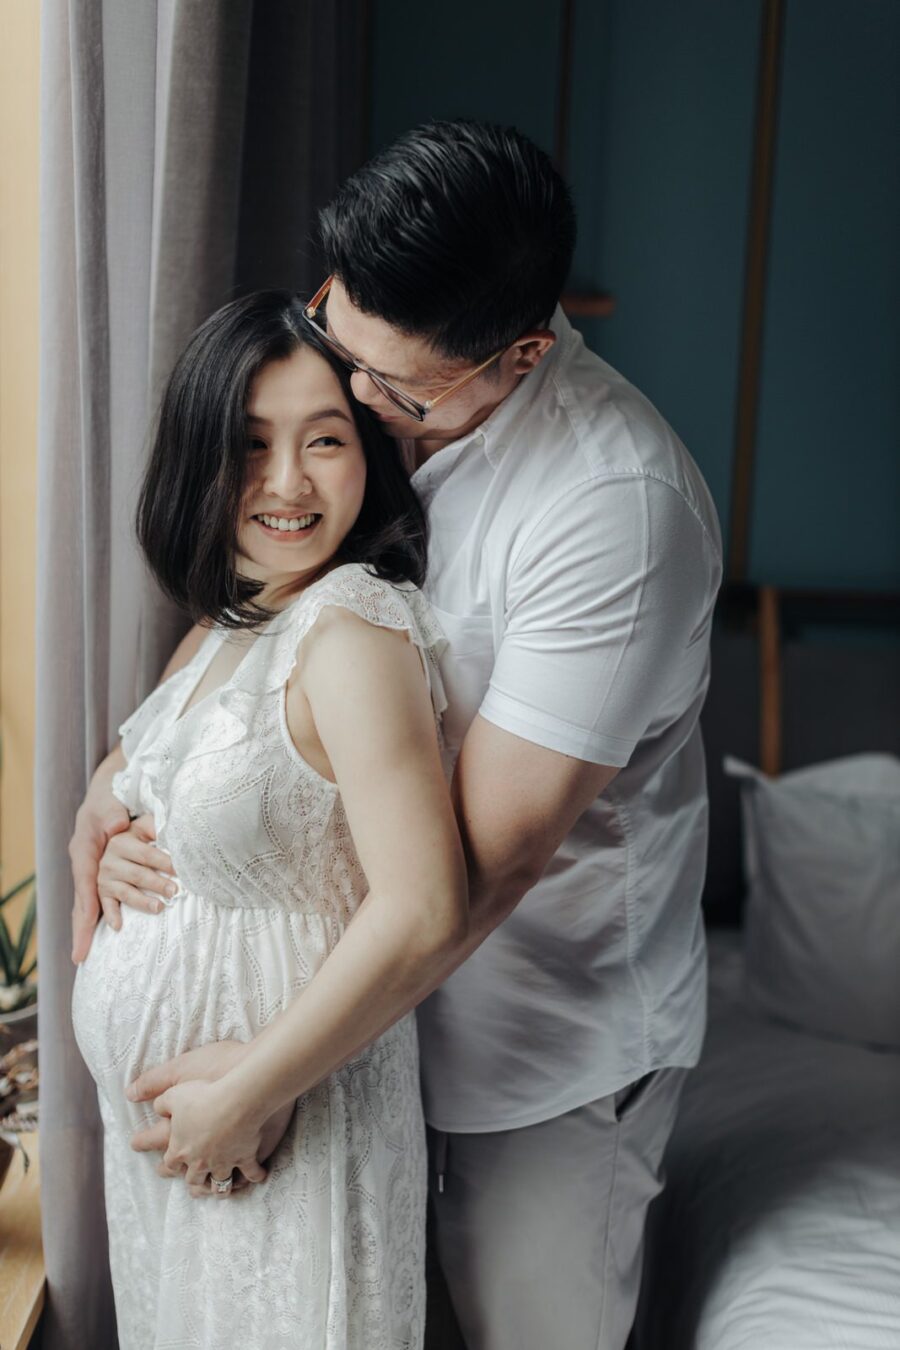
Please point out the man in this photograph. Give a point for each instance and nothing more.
(575, 558)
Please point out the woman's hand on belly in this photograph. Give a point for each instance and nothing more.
(273, 1131)
(207, 1063)
(211, 1133)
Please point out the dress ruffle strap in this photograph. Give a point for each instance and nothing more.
(398, 606)
(166, 741)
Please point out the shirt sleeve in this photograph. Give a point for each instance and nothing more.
(609, 601)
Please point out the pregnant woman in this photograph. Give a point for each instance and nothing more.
(290, 760)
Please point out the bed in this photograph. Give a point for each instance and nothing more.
(779, 1228)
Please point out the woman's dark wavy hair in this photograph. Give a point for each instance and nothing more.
(194, 484)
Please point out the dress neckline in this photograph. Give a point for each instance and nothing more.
(219, 633)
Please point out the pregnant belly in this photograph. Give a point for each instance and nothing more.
(195, 973)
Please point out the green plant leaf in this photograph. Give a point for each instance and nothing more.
(7, 955)
(16, 890)
(26, 931)
(30, 971)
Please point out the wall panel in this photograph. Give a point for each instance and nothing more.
(495, 61)
(661, 156)
(826, 488)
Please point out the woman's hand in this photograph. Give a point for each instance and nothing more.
(206, 1063)
(132, 864)
(212, 1133)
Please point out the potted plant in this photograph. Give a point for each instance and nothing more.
(18, 991)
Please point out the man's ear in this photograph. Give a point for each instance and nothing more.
(530, 349)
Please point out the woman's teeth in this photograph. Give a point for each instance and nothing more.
(282, 523)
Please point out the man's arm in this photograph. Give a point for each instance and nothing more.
(515, 803)
(100, 817)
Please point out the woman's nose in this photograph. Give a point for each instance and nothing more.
(288, 476)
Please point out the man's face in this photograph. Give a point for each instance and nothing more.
(412, 365)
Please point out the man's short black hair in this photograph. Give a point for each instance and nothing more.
(460, 232)
(193, 487)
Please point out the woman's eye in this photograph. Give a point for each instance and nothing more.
(326, 441)
(256, 443)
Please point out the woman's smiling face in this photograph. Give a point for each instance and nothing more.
(306, 473)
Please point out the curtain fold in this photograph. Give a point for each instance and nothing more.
(160, 118)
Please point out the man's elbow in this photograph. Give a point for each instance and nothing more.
(494, 894)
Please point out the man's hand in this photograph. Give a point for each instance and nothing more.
(99, 818)
(132, 864)
(208, 1063)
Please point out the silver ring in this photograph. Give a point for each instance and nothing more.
(221, 1187)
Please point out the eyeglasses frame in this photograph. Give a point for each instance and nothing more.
(410, 407)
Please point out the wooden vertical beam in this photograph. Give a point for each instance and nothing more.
(754, 286)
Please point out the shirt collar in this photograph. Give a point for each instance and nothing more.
(497, 430)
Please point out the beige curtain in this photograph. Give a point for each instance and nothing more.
(182, 160)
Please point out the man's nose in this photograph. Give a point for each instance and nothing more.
(365, 391)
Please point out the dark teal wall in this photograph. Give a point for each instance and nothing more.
(659, 157)
(827, 491)
(495, 60)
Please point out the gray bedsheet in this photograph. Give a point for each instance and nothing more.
(779, 1228)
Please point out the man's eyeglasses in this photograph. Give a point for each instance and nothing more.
(409, 406)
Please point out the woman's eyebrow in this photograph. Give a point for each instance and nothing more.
(322, 415)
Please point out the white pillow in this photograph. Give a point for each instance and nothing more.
(822, 924)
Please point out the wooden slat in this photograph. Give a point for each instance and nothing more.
(754, 288)
(582, 306)
(21, 1252)
(769, 682)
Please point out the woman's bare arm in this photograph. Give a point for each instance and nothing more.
(374, 718)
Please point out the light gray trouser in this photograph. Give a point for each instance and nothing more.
(536, 1239)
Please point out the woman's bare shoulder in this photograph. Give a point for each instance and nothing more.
(186, 650)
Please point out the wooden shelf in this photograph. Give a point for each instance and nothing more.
(21, 1254)
(582, 305)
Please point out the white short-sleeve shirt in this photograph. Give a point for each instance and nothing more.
(575, 556)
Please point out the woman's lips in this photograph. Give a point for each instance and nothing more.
(273, 532)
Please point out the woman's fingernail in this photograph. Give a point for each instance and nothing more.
(156, 906)
(171, 888)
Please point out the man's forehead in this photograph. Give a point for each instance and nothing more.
(397, 356)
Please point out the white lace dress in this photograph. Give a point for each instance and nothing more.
(328, 1253)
